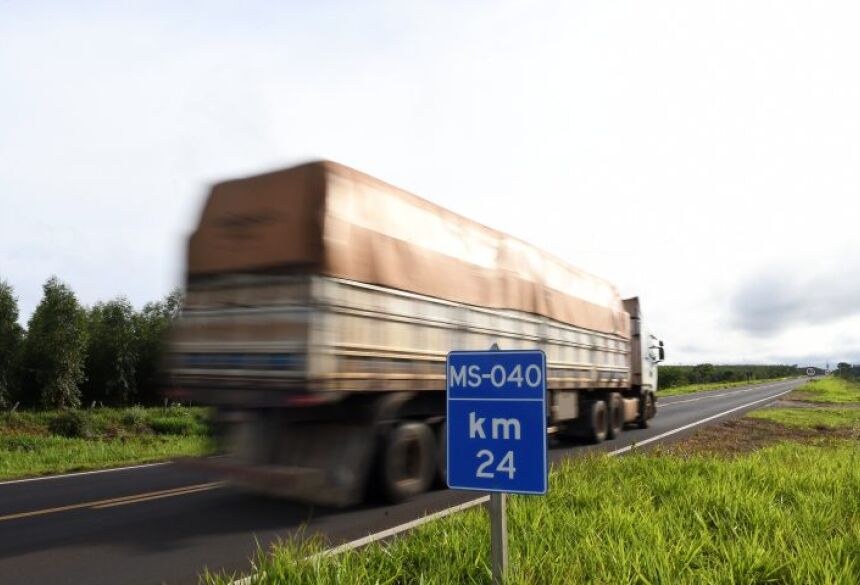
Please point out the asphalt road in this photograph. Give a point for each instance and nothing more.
(163, 524)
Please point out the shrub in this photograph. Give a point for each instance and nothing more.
(19, 443)
(172, 425)
(10, 419)
(134, 417)
(164, 425)
(72, 423)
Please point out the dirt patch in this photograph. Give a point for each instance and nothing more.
(798, 396)
(743, 435)
(12, 426)
(789, 402)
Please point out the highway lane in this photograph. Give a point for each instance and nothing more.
(161, 523)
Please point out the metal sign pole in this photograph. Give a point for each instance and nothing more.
(498, 529)
(498, 537)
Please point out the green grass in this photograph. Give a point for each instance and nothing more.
(691, 388)
(786, 514)
(24, 456)
(830, 389)
(108, 422)
(40, 443)
(811, 418)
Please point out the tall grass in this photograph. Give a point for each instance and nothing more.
(25, 456)
(691, 388)
(811, 418)
(39, 443)
(787, 514)
(831, 389)
(106, 422)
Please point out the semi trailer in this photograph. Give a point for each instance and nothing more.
(321, 304)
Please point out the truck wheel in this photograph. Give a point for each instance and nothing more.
(442, 455)
(407, 461)
(616, 415)
(597, 422)
(647, 410)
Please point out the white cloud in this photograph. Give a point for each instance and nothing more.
(777, 298)
(675, 148)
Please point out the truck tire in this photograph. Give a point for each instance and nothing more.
(597, 421)
(616, 416)
(407, 461)
(647, 410)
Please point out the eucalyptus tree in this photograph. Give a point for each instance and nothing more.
(55, 347)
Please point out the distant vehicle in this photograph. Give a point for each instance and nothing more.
(810, 372)
(321, 304)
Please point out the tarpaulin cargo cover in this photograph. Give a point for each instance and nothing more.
(329, 219)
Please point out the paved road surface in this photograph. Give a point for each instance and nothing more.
(161, 524)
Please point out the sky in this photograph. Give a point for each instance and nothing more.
(704, 156)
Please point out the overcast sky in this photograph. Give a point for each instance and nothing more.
(702, 155)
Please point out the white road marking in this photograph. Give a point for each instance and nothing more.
(478, 501)
(401, 528)
(761, 387)
(79, 473)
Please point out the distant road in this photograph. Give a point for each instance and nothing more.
(162, 524)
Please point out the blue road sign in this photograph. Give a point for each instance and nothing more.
(497, 421)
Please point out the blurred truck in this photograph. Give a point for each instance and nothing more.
(321, 304)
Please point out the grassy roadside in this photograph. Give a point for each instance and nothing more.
(831, 390)
(691, 388)
(811, 418)
(762, 499)
(785, 514)
(825, 404)
(40, 443)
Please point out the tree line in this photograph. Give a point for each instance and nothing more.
(70, 355)
(671, 376)
(847, 371)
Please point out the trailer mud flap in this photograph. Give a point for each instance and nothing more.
(323, 463)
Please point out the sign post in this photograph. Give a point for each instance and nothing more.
(497, 431)
(498, 537)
